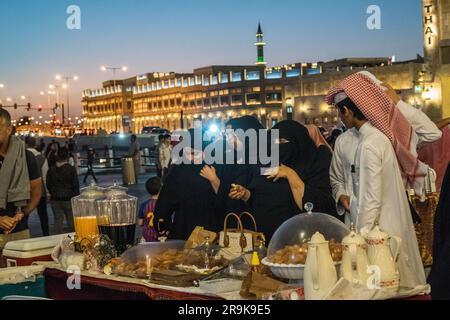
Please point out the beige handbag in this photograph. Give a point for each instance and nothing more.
(235, 242)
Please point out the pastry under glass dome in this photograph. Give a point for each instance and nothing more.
(288, 249)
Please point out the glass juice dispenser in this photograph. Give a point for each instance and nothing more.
(85, 213)
(116, 217)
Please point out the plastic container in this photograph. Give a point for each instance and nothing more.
(22, 281)
(25, 252)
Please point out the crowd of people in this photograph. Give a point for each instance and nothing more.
(359, 173)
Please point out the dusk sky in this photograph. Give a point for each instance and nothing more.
(180, 35)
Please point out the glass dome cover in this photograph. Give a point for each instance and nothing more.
(116, 192)
(289, 244)
(92, 192)
(204, 259)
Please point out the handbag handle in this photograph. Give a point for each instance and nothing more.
(260, 238)
(251, 217)
(226, 238)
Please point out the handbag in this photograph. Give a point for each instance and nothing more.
(235, 242)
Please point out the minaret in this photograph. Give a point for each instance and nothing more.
(260, 46)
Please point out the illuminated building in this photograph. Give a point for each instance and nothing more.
(217, 93)
(109, 106)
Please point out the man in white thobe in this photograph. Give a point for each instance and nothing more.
(377, 182)
(381, 196)
(425, 131)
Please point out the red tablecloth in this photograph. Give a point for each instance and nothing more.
(104, 289)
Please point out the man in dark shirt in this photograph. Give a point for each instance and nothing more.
(13, 220)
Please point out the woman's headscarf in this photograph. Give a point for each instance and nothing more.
(189, 141)
(300, 153)
(317, 136)
(247, 123)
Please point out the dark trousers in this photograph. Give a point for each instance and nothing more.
(43, 216)
(62, 209)
(90, 172)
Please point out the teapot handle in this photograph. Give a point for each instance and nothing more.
(353, 249)
(314, 267)
(396, 245)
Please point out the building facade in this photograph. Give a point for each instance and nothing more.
(305, 98)
(215, 94)
(109, 108)
(208, 95)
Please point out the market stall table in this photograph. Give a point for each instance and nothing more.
(102, 287)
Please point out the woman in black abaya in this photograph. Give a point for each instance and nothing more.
(239, 171)
(187, 200)
(303, 176)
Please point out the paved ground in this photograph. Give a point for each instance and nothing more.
(105, 180)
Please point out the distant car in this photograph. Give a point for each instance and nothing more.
(148, 130)
(160, 131)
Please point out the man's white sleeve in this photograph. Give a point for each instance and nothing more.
(370, 187)
(426, 130)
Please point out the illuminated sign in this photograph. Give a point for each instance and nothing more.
(430, 24)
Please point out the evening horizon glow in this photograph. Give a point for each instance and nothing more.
(179, 36)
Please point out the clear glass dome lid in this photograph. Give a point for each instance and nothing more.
(296, 232)
(93, 192)
(116, 191)
(203, 259)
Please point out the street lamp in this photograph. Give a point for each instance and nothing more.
(56, 88)
(66, 86)
(2, 85)
(114, 70)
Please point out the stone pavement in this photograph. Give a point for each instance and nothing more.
(104, 181)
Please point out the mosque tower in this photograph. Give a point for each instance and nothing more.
(260, 44)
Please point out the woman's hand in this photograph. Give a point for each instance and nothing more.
(296, 183)
(209, 173)
(239, 193)
(283, 172)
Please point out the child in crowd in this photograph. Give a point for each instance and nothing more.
(146, 216)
